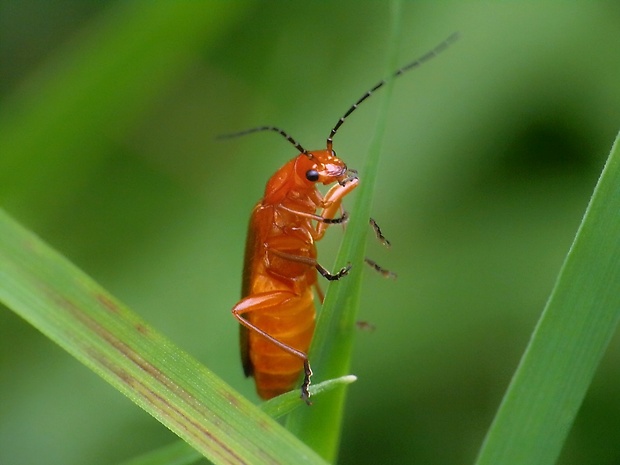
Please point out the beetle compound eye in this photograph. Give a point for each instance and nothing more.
(312, 175)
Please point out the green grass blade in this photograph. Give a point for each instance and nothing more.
(181, 453)
(330, 353)
(177, 453)
(75, 312)
(289, 401)
(571, 337)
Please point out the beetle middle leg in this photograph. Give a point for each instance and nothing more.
(312, 262)
(321, 219)
(378, 268)
(378, 233)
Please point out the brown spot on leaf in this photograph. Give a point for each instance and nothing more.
(108, 303)
(142, 328)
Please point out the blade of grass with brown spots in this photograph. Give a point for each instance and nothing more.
(53, 295)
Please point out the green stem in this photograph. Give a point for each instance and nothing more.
(319, 426)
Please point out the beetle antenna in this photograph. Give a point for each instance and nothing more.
(414, 64)
(266, 128)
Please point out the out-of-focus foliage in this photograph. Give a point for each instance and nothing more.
(493, 150)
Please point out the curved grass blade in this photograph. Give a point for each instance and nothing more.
(287, 402)
(75, 312)
(572, 335)
(181, 453)
(332, 343)
(176, 453)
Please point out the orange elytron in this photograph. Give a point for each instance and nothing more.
(277, 309)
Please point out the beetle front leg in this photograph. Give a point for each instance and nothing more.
(331, 204)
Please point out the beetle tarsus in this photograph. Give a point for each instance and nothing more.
(305, 392)
(378, 233)
(340, 220)
(379, 269)
(348, 179)
(333, 277)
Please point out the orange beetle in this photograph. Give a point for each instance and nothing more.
(277, 311)
(280, 270)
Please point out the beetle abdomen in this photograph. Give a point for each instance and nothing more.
(275, 370)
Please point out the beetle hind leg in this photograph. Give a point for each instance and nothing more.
(305, 393)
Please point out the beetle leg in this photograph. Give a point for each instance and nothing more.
(378, 233)
(342, 219)
(379, 269)
(331, 203)
(319, 292)
(333, 277)
(312, 262)
(265, 301)
(305, 393)
(352, 177)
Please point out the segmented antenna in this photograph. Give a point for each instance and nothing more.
(414, 64)
(267, 128)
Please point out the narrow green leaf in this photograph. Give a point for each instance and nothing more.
(75, 312)
(566, 347)
(330, 353)
(287, 402)
(181, 453)
(177, 453)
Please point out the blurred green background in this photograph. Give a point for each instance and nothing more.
(108, 118)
